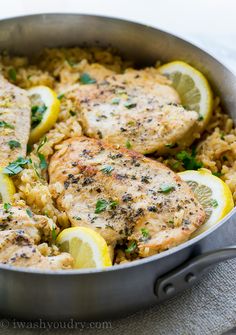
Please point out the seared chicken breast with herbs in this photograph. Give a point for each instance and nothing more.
(137, 109)
(38, 227)
(20, 232)
(18, 249)
(123, 195)
(15, 114)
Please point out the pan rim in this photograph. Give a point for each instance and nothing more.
(149, 259)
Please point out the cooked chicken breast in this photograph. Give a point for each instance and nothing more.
(122, 194)
(137, 109)
(15, 113)
(18, 249)
(38, 227)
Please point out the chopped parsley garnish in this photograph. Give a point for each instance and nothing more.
(37, 114)
(17, 166)
(131, 247)
(12, 74)
(145, 233)
(29, 213)
(172, 145)
(214, 203)
(175, 165)
(35, 167)
(166, 188)
(115, 101)
(188, 160)
(217, 174)
(70, 62)
(107, 169)
(4, 124)
(43, 163)
(6, 207)
(128, 144)
(60, 96)
(171, 222)
(14, 144)
(29, 148)
(42, 142)
(222, 135)
(72, 113)
(200, 117)
(85, 79)
(103, 205)
(54, 234)
(130, 104)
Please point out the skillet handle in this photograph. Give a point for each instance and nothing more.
(188, 273)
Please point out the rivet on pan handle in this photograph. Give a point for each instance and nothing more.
(188, 273)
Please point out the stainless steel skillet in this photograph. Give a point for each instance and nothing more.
(116, 291)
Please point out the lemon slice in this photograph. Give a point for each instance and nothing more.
(88, 248)
(193, 88)
(7, 188)
(212, 193)
(45, 109)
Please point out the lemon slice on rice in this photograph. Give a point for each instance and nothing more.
(7, 188)
(193, 88)
(88, 248)
(45, 108)
(212, 193)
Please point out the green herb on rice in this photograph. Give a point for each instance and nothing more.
(85, 79)
(60, 96)
(6, 207)
(131, 248)
(188, 160)
(54, 234)
(12, 74)
(42, 142)
(43, 163)
(145, 233)
(14, 144)
(4, 124)
(17, 166)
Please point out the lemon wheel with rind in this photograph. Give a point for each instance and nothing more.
(49, 99)
(193, 88)
(213, 194)
(7, 188)
(87, 247)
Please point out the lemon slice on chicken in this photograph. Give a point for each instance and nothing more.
(7, 188)
(88, 248)
(193, 88)
(212, 193)
(45, 108)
